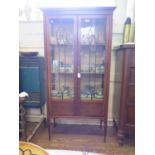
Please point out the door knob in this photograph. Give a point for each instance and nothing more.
(78, 75)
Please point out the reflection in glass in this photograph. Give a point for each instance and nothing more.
(92, 54)
(62, 59)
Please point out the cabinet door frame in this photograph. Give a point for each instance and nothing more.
(48, 57)
(76, 18)
(108, 38)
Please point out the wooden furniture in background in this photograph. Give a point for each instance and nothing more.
(124, 102)
(31, 80)
(77, 53)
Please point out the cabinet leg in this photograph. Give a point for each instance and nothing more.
(54, 122)
(121, 137)
(101, 123)
(49, 130)
(41, 110)
(45, 122)
(115, 125)
(105, 132)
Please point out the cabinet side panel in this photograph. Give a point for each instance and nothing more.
(117, 85)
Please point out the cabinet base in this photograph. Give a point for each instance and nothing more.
(101, 129)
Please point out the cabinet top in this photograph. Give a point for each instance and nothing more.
(77, 10)
(124, 46)
(78, 3)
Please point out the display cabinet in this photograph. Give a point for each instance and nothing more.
(77, 51)
(124, 101)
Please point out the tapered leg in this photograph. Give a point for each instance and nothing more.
(105, 132)
(115, 125)
(54, 122)
(45, 122)
(49, 129)
(41, 110)
(101, 123)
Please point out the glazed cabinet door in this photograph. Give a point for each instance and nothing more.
(62, 64)
(92, 38)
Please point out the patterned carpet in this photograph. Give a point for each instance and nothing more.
(83, 138)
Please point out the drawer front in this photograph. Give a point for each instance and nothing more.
(131, 115)
(131, 94)
(132, 58)
(130, 123)
(62, 109)
(131, 75)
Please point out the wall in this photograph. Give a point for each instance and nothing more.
(31, 39)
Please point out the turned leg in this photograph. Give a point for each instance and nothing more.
(54, 122)
(45, 122)
(121, 137)
(115, 125)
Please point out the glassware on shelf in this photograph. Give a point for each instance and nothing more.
(99, 68)
(91, 93)
(64, 93)
(92, 31)
(66, 68)
(56, 94)
(53, 40)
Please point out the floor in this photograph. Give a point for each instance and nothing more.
(82, 138)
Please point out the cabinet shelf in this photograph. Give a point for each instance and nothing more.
(92, 73)
(68, 73)
(65, 44)
(82, 44)
(62, 99)
(82, 73)
(97, 44)
(94, 101)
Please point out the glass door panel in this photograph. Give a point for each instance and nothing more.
(62, 58)
(92, 54)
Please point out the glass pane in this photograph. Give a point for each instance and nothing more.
(62, 58)
(92, 54)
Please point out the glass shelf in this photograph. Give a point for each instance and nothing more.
(89, 44)
(63, 44)
(67, 73)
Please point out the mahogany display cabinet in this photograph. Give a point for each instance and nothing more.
(77, 52)
(124, 96)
